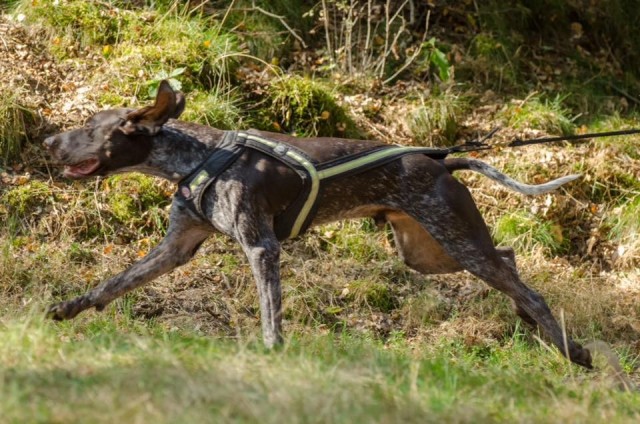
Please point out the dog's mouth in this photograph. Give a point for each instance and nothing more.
(82, 169)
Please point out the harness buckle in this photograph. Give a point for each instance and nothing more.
(280, 149)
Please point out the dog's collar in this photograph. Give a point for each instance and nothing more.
(297, 217)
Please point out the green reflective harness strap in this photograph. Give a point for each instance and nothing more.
(381, 155)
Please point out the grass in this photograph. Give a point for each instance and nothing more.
(14, 119)
(436, 121)
(213, 108)
(547, 115)
(138, 46)
(100, 370)
(526, 232)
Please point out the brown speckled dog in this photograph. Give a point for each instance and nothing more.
(436, 224)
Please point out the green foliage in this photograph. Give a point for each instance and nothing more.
(179, 43)
(305, 107)
(152, 85)
(493, 61)
(80, 24)
(265, 26)
(524, 232)
(437, 59)
(437, 120)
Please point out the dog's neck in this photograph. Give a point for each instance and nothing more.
(178, 149)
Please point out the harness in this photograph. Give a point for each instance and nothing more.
(297, 217)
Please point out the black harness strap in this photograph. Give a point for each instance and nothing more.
(192, 187)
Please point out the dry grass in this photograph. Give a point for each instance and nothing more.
(14, 118)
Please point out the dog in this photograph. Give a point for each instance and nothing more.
(435, 223)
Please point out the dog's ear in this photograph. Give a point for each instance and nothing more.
(149, 119)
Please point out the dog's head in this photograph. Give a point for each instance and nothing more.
(116, 138)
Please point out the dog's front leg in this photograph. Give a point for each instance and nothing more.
(180, 244)
(263, 251)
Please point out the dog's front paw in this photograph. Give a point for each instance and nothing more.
(66, 310)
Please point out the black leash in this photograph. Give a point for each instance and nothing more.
(475, 145)
(518, 142)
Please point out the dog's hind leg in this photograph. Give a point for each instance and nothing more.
(451, 217)
(508, 256)
(420, 251)
(417, 248)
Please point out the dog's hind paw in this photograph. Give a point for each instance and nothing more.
(581, 356)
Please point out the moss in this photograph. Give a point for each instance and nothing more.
(27, 199)
(305, 107)
(133, 198)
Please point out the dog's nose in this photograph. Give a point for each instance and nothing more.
(51, 142)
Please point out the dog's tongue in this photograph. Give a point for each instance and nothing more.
(81, 169)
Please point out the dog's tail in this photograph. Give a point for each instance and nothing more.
(460, 164)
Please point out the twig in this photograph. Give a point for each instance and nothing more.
(414, 55)
(325, 9)
(282, 21)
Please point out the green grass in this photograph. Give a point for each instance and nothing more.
(219, 110)
(436, 121)
(106, 369)
(548, 115)
(525, 232)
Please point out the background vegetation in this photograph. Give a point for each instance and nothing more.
(367, 339)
